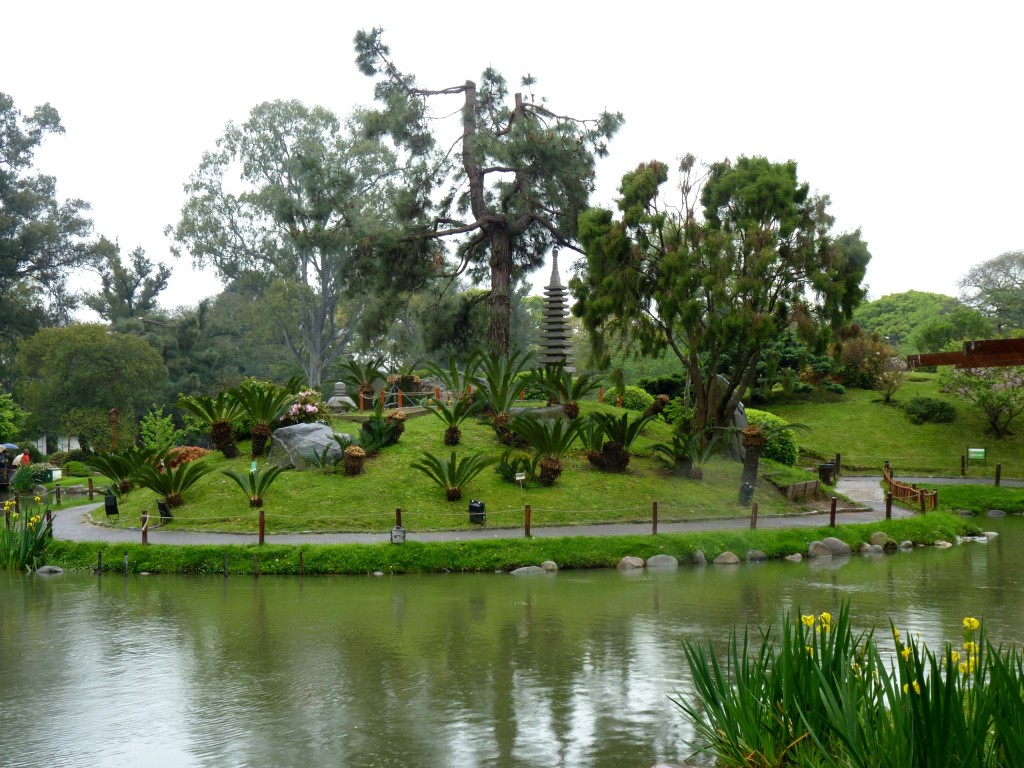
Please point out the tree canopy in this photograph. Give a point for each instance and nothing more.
(42, 239)
(996, 289)
(506, 186)
(300, 205)
(70, 377)
(127, 290)
(897, 317)
(715, 289)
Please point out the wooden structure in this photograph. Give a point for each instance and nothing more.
(919, 498)
(985, 353)
(555, 333)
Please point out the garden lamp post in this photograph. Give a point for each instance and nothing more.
(113, 414)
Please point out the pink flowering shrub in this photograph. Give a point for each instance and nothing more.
(308, 407)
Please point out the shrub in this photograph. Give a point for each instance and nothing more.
(76, 469)
(921, 410)
(670, 384)
(308, 408)
(679, 414)
(185, 453)
(781, 446)
(835, 388)
(58, 458)
(636, 399)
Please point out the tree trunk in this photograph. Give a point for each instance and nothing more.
(501, 285)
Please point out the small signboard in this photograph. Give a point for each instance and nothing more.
(976, 454)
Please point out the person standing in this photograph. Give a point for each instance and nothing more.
(22, 460)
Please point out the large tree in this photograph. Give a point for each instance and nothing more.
(716, 289)
(506, 186)
(127, 289)
(42, 239)
(70, 377)
(297, 203)
(996, 289)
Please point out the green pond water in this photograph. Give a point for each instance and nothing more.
(572, 669)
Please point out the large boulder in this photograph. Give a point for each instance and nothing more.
(662, 561)
(727, 558)
(837, 546)
(292, 444)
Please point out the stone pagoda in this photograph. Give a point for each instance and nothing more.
(555, 333)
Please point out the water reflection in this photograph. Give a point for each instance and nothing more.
(488, 670)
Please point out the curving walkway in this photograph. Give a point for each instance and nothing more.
(74, 525)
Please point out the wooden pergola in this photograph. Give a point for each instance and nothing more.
(985, 353)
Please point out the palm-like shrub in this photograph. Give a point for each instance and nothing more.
(498, 377)
(452, 474)
(512, 463)
(264, 403)
(686, 455)
(453, 415)
(217, 413)
(456, 382)
(254, 483)
(171, 483)
(363, 375)
(122, 468)
(551, 440)
(619, 434)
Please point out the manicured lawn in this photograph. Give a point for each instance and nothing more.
(866, 432)
(309, 500)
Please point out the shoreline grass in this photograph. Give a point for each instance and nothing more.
(481, 556)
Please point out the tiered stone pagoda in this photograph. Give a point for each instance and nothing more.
(555, 333)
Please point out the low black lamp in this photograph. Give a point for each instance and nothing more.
(110, 504)
(476, 512)
(165, 511)
(398, 535)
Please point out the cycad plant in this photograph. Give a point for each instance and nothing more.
(363, 374)
(121, 468)
(453, 415)
(561, 387)
(169, 482)
(550, 439)
(218, 412)
(452, 474)
(686, 455)
(498, 377)
(456, 382)
(619, 434)
(254, 483)
(264, 403)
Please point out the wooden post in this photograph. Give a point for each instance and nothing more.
(383, 396)
(263, 525)
(618, 401)
(49, 522)
(999, 475)
(56, 490)
(839, 465)
(832, 514)
(225, 565)
(528, 513)
(17, 502)
(753, 516)
(145, 527)
(398, 517)
(654, 517)
(600, 395)
(256, 565)
(437, 393)
(963, 466)
(99, 561)
(921, 495)
(522, 394)
(90, 489)
(400, 405)
(888, 506)
(302, 564)
(362, 404)
(126, 564)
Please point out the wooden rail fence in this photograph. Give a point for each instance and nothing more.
(919, 498)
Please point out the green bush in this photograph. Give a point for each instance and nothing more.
(670, 384)
(636, 399)
(835, 388)
(75, 469)
(782, 446)
(678, 414)
(921, 410)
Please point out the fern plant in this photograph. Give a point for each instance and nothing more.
(452, 474)
(264, 403)
(619, 434)
(453, 415)
(498, 377)
(169, 482)
(217, 413)
(512, 464)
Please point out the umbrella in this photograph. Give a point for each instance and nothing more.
(10, 446)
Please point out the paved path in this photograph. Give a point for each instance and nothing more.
(74, 525)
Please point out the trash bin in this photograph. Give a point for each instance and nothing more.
(746, 493)
(827, 473)
(476, 512)
(110, 504)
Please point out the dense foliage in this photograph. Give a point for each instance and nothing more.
(781, 443)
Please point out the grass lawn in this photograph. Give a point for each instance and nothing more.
(312, 501)
(866, 432)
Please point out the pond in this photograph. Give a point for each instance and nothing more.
(570, 669)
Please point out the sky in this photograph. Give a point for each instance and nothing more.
(907, 114)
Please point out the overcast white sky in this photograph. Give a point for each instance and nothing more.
(908, 114)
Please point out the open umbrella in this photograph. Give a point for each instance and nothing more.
(10, 446)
